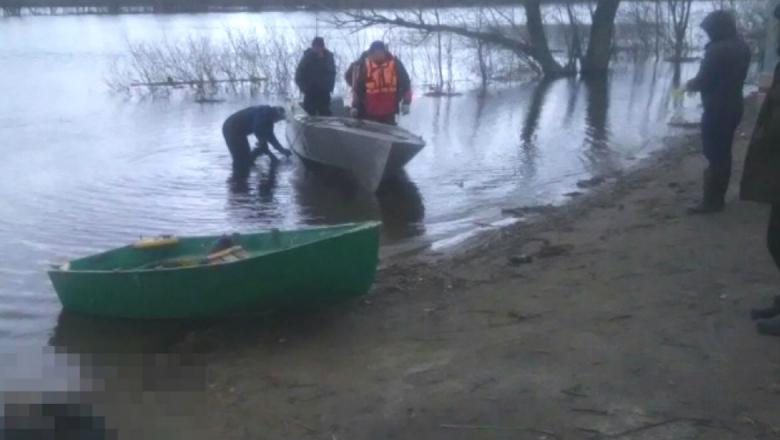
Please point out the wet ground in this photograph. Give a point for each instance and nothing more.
(631, 321)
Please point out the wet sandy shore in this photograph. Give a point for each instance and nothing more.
(630, 321)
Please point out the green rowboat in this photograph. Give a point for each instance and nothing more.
(275, 270)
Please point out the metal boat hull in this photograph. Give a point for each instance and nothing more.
(368, 151)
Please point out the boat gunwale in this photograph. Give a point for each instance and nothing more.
(406, 137)
(356, 227)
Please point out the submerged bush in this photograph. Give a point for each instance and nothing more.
(239, 63)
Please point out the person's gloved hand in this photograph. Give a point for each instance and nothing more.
(255, 153)
(258, 151)
(691, 86)
(405, 108)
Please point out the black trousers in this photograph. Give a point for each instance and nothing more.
(773, 234)
(238, 145)
(717, 132)
(317, 104)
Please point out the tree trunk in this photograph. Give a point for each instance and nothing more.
(540, 50)
(679, 46)
(575, 53)
(482, 65)
(439, 63)
(658, 29)
(681, 14)
(601, 34)
(449, 64)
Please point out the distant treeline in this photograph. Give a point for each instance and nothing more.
(45, 7)
(63, 7)
(59, 7)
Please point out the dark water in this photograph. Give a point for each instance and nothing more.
(84, 170)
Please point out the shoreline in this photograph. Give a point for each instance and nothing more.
(589, 193)
(629, 321)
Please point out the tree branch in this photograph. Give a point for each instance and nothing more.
(371, 18)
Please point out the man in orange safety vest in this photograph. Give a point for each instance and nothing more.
(381, 86)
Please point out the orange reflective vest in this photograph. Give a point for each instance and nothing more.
(381, 88)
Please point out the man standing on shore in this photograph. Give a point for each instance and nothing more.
(316, 78)
(720, 81)
(761, 182)
(381, 84)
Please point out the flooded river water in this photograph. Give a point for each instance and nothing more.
(84, 170)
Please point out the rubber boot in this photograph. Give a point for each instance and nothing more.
(770, 327)
(712, 194)
(768, 312)
(720, 185)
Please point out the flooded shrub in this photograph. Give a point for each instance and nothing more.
(238, 63)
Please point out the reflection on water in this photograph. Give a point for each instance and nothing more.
(245, 196)
(325, 196)
(535, 107)
(401, 207)
(596, 111)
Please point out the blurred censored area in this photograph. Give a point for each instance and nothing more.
(52, 394)
(61, 421)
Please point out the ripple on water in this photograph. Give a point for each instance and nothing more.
(20, 311)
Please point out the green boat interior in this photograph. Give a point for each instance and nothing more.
(188, 252)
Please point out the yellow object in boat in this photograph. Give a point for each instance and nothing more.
(154, 242)
(235, 251)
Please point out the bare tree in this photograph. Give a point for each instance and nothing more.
(504, 31)
(482, 54)
(680, 13)
(439, 63)
(534, 49)
(602, 31)
(659, 17)
(243, 62)
(540, 49)
(575, 48)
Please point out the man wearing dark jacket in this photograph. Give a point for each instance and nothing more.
(316, 78)
(350, 76)
(380, 85)
(720, 81)
(761, 183)
(259, 121)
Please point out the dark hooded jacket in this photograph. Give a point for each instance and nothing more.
(258, 120)
(761, 175)
(724, 68)
(315, 73)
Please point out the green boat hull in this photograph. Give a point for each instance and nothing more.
(284, 269)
